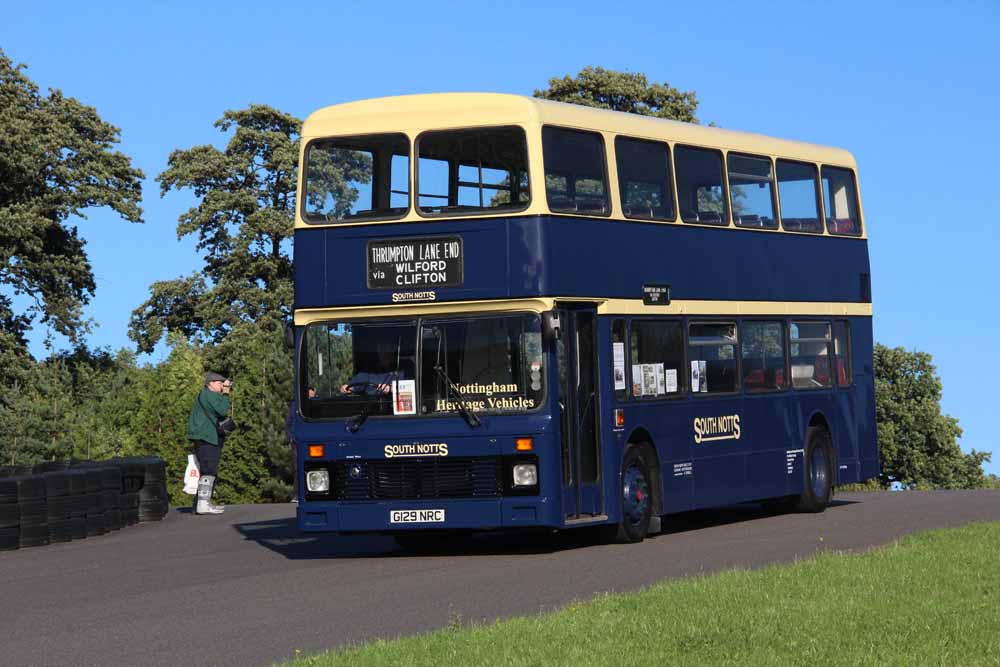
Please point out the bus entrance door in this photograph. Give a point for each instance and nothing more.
(576, 348)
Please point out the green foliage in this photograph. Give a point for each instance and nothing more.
(56, 160)
(622, 91)
(918, 445)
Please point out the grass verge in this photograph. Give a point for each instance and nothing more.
(930, 599)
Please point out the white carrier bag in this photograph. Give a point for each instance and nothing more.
(191, 475)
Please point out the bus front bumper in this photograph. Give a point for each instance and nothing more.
(403, 515)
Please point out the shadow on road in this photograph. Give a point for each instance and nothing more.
(282, 536)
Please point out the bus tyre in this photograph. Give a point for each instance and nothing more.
(817, 467)
(636, 499)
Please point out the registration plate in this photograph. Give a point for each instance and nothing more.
(416, 516)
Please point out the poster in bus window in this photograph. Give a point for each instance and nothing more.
(703, 371)
(637, 380)
(695, 376)
(618, 350)
(403, 397)
(649, 379)
(671, 380)
(661, 385)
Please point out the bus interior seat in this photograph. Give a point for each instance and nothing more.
(562, 204)
(840, 225)
(711, 217)
(591, 205)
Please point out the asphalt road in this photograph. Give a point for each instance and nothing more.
(246, 589)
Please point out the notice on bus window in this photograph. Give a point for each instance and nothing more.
(695, 376)
(637, 380)
(671, 380)
(419, 263)
(660, 384)
(404, 394)
(618, 352)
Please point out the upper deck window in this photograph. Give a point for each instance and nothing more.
(481, 169)
(575, 174)
(841, 198)
(799, 197)
(751, 191)
(644, 179)
(699, 186)
(349, 178)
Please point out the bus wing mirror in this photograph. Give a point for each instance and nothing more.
(289, 337)
(550, 324)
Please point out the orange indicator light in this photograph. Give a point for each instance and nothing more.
(315, 451)
(524, 444)
(619, 417)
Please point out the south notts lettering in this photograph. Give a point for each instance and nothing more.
(726, 427)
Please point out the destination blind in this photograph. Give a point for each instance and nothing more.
(415, 263)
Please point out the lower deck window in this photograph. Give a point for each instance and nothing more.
(809, 343)
(712, 354)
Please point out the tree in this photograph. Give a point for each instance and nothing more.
(56, 160)
(622, 91)
(243, 222)
(918, 445)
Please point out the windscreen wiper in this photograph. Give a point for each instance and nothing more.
(366, 409)
(463, 408)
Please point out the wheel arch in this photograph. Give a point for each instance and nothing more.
(642, 439)
(819, 420)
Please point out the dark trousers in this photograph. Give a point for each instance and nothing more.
(208, 457)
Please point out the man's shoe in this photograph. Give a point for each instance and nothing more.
(204, 504)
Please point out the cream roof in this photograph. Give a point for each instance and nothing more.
(413, 114)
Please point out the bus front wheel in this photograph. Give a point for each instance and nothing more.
(636, 499)
(817, 485)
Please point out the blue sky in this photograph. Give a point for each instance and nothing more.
(913, 93)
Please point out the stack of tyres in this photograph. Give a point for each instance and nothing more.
(34, 514)
(95, 503)
(153, 500)
(111, 492)
(10, 515)
(133, 475)
(78, 502)
(57, 505)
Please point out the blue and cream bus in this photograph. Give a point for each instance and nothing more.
(515, 313)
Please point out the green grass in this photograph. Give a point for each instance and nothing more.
(928, 599)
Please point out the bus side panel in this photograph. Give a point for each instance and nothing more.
(864, 394)
(768, 425)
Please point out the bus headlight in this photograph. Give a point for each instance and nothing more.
(318, 481)
(525, 474)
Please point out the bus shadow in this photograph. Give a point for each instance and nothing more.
(730, 514)
(283, 537)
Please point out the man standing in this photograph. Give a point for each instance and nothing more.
(211, 405)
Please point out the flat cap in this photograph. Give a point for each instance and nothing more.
(213, 377)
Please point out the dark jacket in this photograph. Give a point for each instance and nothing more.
(208, 408)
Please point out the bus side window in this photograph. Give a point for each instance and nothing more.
(657, 358)
(700, 186)
(763, 345)
(842, 352)
(810, 354)
(841, 199)
(798, 195)
(712, 352)
(575, 171)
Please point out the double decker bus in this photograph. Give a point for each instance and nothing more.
(515, 313)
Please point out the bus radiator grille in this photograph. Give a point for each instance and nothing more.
(415, 479)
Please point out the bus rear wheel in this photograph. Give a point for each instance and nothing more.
(817, 485)
(636, 500)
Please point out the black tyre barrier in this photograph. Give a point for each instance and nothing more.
(60, 530)
(29, 488)
(10, 516)
(8, 491)
(49, 466)
(34, 513)
(34, 536)
(78, 528)
(10, 538)
(56, 502)
(56, 483)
